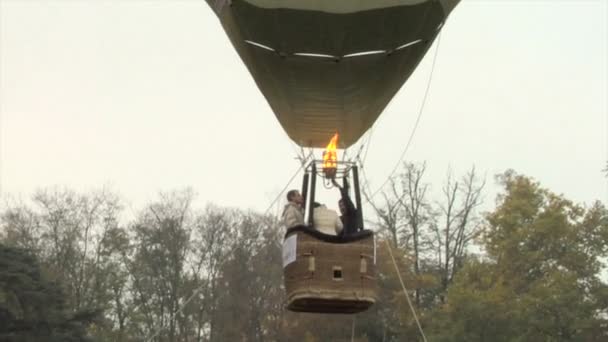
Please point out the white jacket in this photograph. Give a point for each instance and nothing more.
(327, 221)
(293, 215)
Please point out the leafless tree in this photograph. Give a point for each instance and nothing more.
(158, 267)
(459, 224)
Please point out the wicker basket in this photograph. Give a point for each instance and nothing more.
(328, 274)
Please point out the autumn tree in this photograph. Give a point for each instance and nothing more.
(540, 279)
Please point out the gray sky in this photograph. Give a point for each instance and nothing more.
(149, 95)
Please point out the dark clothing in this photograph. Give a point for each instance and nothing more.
(350, 217)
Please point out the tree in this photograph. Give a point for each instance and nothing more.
(435, 234)
(391, 318)
(408, 215)
(78, 240)
(540, 278)
(32, 308)
(212, 229)
(158, 267)
(460, 225)
(66, 230)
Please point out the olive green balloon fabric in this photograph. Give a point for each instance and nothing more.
(330, 66)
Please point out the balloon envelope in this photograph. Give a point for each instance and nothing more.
(330, 66)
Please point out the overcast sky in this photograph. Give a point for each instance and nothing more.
(149, 95)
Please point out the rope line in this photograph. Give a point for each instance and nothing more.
(420, 111)
(369, 198)
(197, 290)
(390, 251)
(286, 186)
(352, 331)
(369, 142)
(405, 291)
(365, 188)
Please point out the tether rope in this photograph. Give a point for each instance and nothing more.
(407, 296)
(420, 111)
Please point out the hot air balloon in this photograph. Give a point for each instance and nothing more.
(327, 66)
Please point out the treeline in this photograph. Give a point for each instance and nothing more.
(73, 268)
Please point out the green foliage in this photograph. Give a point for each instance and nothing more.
(175, 273)
(540, 280)
(32, 308)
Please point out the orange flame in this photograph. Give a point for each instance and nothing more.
(330, 157)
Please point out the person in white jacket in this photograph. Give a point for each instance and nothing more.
(293, 213)
(326, 220)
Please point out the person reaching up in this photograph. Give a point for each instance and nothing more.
(349, 215)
